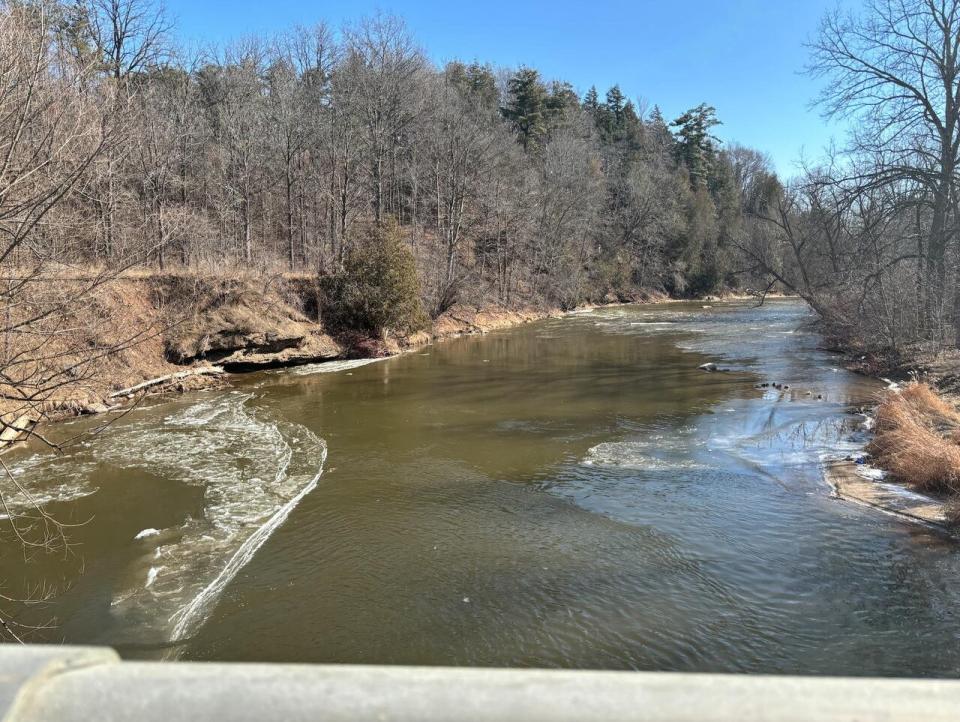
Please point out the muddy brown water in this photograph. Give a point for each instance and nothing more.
(572, 493)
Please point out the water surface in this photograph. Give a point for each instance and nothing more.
(573, 493)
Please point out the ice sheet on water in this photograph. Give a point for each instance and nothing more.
(330, 367)
(658, 451)
(41, 478)
(870, 473)
(254, 471)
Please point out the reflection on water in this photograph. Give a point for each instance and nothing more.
(573, 493)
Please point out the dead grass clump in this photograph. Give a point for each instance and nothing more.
(916, 439)
(951, 512)
(927, 401)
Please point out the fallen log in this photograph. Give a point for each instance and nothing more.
(205, 371)
(13, 431)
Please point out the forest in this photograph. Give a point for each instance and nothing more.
(347, 155)
(282, 153)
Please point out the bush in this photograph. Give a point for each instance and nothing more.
(378, 291)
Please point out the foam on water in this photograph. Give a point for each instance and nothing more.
(45, 478)
(254, 471)
(658, 450)
(330, 367)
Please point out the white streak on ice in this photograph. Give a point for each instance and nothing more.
(197, 610)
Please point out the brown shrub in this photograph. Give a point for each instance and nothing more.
(926, 401)
(916, 439)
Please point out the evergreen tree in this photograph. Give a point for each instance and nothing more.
(475, 82)
(659, 138)
(615, 103)
(526, 108)
(378, 290)
(561, 99)
(696, 148)
(591, 101)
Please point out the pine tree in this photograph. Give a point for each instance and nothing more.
(561, 99)
(696, 148)
(591, 101)
(526, 108)
(615, 101)
(474, 81)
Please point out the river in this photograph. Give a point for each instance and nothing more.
(572, 493)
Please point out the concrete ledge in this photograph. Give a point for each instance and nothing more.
(25, 672)
(83, 684)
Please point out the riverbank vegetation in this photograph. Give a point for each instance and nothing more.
(917, 439)
(869, 235)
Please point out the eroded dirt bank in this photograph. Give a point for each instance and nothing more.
(156, 333)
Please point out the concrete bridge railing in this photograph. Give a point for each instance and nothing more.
(92, 685)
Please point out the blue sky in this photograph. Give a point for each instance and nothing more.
(746, 57)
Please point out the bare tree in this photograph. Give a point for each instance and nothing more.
(461, 148)
(380, 73)
(896, 70)
(53, 126)
(130, 35)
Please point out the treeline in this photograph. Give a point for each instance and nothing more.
(304, 151)
(284, 152)
(870, 236)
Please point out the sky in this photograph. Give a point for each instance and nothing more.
(744, 57)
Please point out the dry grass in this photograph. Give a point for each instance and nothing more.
(918, 439)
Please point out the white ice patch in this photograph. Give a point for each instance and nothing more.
(147, 533)
(331, 367)
(648, 455)
(868, 472)
(152, 576)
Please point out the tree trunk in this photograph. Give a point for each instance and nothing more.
(291, 251)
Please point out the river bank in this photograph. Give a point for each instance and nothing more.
(911, 468)
(199, 332)
(171, 333)
(913, 456)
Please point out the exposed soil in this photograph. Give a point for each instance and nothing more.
(159, 326)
